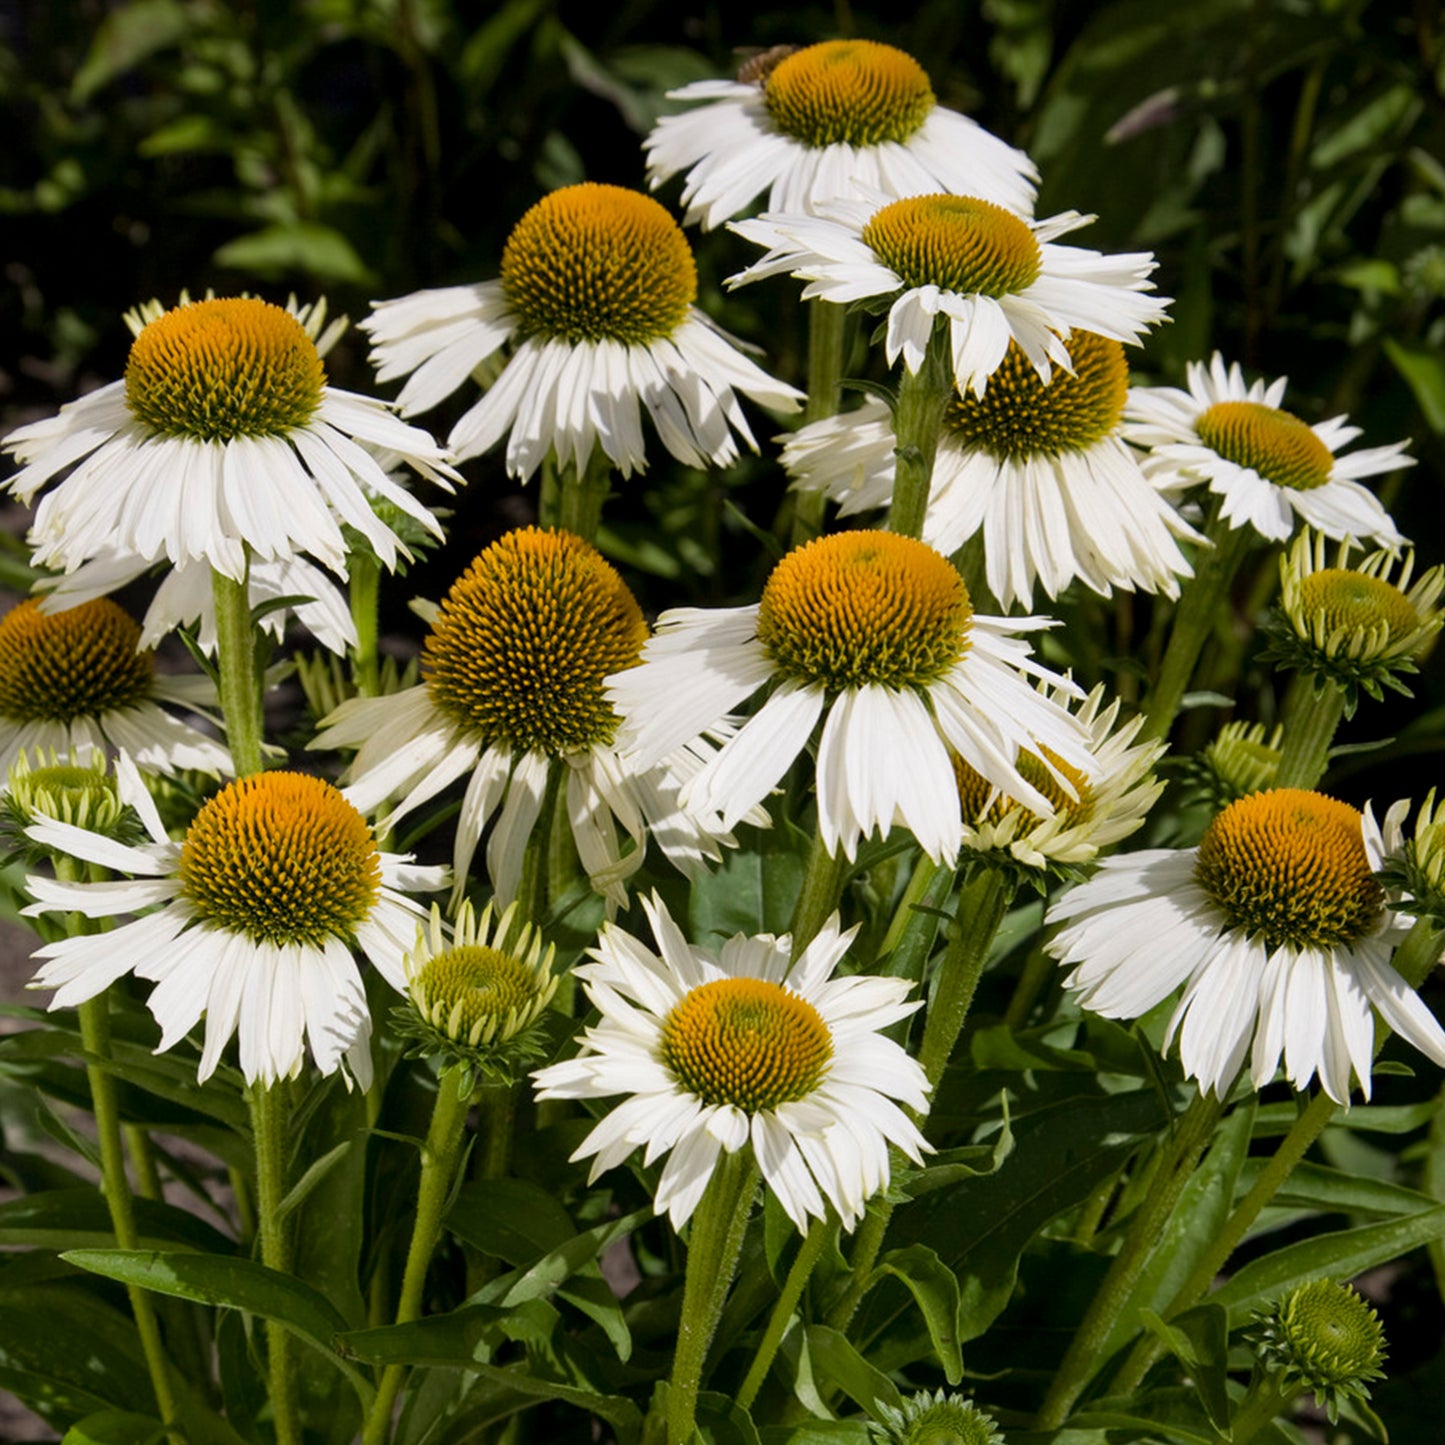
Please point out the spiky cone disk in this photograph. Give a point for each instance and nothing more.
(940, 1418)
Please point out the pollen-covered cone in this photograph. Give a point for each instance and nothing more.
(512, 683)
(223, 439)
(82, 678)
(258, 911)
(1040, 468)
(744, 1049)
(1277, 930)
(992, 276)
(596, 300)
(1266, 465)
(818, 124)
(873, 635)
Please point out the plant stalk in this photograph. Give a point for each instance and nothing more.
(826, 325)
(1312, 712)
(270, 1126)
(917, 421)
(238, 682)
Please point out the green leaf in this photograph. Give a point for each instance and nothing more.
(1316, 1186)
(513, 1219)
(297, 1194)
(128, 35)
(817, 1432)
(235, 1284)
(835, 1360)
(1199, 1339)
(65, 1218)
(116, 1427)
(304, 247)
(1174, 1415)
(1340, 1255)
(722, 1421)
(935, 1288)
(1423, 369)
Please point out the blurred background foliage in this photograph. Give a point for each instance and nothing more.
(1285, 159)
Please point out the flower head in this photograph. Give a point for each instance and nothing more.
(1412, 868)
(1266, 465)
(1324, 1338)
(513, 671)
(874, 634)
(223, 439)
(278, 878)
(815, 125)
(1039, 467)
(721, 1051)
(475, 998)
(81, 678)
(1354, 626)
(596, 296)
(1244, 758)
(79, 789)
(941, 1418)
(993, 276)
(1278, 929)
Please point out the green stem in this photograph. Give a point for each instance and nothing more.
(439, 1157)
(1312, 713)
(1266, 1401)
(1037, 970)
(269, 1126)
(917, 421)
(95, 1036)
(580, 506)
(814, 1242)
(1415, 959)
(238, 684)
(1292, 1148)
(818, 898)
(1180, 1154)
(982, 903)
(826, 324)
(365, 595)
(716, 1241)
(536, 858)
(1196, 616)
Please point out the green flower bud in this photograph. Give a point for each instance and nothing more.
(937, 1419)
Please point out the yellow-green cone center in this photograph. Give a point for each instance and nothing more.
(599, 263)
(853, 92)
(974, 791)
(281, 858)
(1354, 600)
(1277, 445)
(1289, 866)
(524, 638)
(864, 607)
(746, 1042)
(474, 985)
(1021, 416)
(950, 1422)
(1331, 1336)
(79, 663)
(957, 243)
(222, 369)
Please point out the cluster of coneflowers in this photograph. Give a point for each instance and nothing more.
(1013, 461)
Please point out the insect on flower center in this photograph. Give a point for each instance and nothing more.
(1356, 601)
(473, 984)
(599, 263)
(865, 607)
(1290, 867)
(1274, 443)
(848, 92)
(223, 369)
(79, 663)
(281, 858)
(746, 1042)
(1021, 416)
(524, 639)
(1073, 808)
(957, 243)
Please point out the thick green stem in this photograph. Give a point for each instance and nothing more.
(439, 1158)
(1266, 1401)
(826, 324)
(809, 1251)
(1196, 616)
(269, 1126)
(95, 1035)
(716, 1241)
(917, 421)
(365, 594)
(580, 505)
(238, 684)
(982, 903)
(820, 894)
(1312, 713)
(1292, 1148)
(1192, 1132)
(1415, 959)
